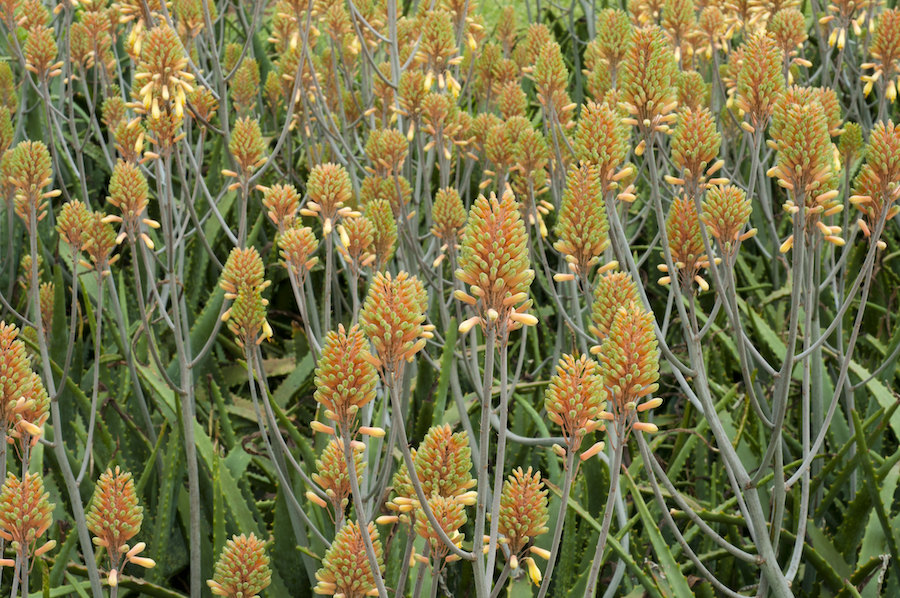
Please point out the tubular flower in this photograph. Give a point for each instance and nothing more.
(574, 398)
(72, 224)
(885, 52)
(246, 147)
(877, 185)
(329, 189)
(357, 237)
(647, 81)
(760, 80)
(451, 514)
(726, 211)
(629, 365)
(384, 237)
(25, 515)
(161, 70)
(582, 226)
(614, 33)
(449, 217)
(685, 244)
(128, 191)
(843, 18)
(613, 290)
(494, 263)
(523, 510)
(332, 475)
(281, 203)
(602, 140)
(393, 317)
(806, 165)
(297, 245)
(40, 53)
(243, 282)
(242, 570)
(695, 146)
(345, 376)
(395, 190)
(114, 517)
(29, 173)
(532, 154)
(7, 131)
(345, 569)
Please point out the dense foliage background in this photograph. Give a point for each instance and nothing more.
(666, 227)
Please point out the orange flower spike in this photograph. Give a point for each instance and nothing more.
(601, 139)
(551, 79)
(695, 147)
(243, 280)
(449, 217)
(523, 510)
(245, 86)
(242, 570)
(114, 517)
(345, 569)
(806, 161)
(129, 192)
(161, 71)
(574, 398)
(612, 290)
(298, 246)
(72, 224)
(384, 236)
(629, 365)
(329, 189)
(692, 91)
(345, 376)
(30, 173)
(680, 24)
(647, 81)
(451, 514)
(332, 475)
(494, 263)
(357, 242)
(614, 38)
(760, 80)
(393, 317)
(788, 27)
(246, 147)
(101, 242)
(281, 203)
(876, 187)
(41, 52)
(582, 226)
(15, 371)
(444, 464)
(726, 211)
(685, 244)
(32, 411)
(885, 52)
(25, 514)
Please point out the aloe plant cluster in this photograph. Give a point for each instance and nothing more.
(407, 299)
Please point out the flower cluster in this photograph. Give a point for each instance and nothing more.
(243, 280)
(242, 570)
(494, 263)
(114, 517)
